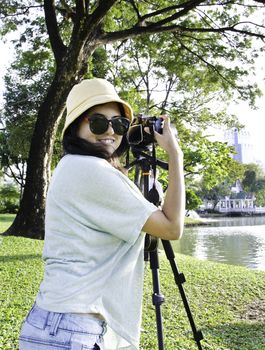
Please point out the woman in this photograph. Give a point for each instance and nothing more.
(93, 247)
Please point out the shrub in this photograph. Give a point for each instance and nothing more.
(9, 199)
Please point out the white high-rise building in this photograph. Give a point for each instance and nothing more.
(241, 141)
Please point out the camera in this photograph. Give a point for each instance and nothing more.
(138, 136)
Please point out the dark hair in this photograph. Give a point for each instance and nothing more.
(73, 144)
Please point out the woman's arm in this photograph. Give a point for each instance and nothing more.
(168, 222)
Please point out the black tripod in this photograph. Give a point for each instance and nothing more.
(144, 163)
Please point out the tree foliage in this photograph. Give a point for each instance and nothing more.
(204, 49)
(221, 186)
(254, 181)
(9, 199)
(12, 162)
(192, 200)
(260, 193)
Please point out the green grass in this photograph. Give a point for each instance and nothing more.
(227, 302)
(5, 221)
(21, 271)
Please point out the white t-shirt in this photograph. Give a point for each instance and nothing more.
(93, 248)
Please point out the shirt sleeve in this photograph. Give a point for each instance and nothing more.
(107, 200)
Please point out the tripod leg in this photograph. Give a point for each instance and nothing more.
(158, 298)
(180, 279)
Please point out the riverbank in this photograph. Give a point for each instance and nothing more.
(199, 221)
(227, 302)
(7, 219)
(208, 219)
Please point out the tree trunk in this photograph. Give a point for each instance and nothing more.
(29, 221)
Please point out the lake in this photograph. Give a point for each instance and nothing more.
(231, 240)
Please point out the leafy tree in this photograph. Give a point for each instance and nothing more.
(220, 187)
(252, 173)
(172, 80)
(12, 164)
(260, 194)
(213, 32)
(210, 160)
(143, 70)
(192, 200)
(9, 199)
(249, 181)
(254, 181)
(215, 193)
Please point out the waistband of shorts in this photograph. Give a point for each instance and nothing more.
(67, 321)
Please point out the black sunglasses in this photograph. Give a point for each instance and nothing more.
(99, 124)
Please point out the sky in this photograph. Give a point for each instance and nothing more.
(253, 119)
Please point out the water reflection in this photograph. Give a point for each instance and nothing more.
(237, 221)
(238, 241)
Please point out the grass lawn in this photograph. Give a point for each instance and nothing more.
(5, 221)
(227, 302)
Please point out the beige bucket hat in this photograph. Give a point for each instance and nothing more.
(89, 93)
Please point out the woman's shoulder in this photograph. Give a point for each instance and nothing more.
(76, 160)
(84, 166)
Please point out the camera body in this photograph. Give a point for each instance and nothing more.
(138, 136)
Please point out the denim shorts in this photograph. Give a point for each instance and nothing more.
(44, 330)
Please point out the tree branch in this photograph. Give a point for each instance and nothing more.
(90, 27)
(136, 10)
(190, 172)
(186, 7)
(142, 19)
(171, 82)
(151, 29)
(57, 44)
(80, 9)
(87, 4)
(24, 10)
(208, 64)
(13, 175)
(66, 11)
(101, 10)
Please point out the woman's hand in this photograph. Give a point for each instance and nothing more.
(168, 223)
(168, 140)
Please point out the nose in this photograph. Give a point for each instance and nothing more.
(110, 130)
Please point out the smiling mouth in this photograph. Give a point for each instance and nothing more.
(107, 141)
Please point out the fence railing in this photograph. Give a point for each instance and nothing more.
(258, 210)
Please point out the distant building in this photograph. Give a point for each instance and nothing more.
(238, 202)
(241, 141)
